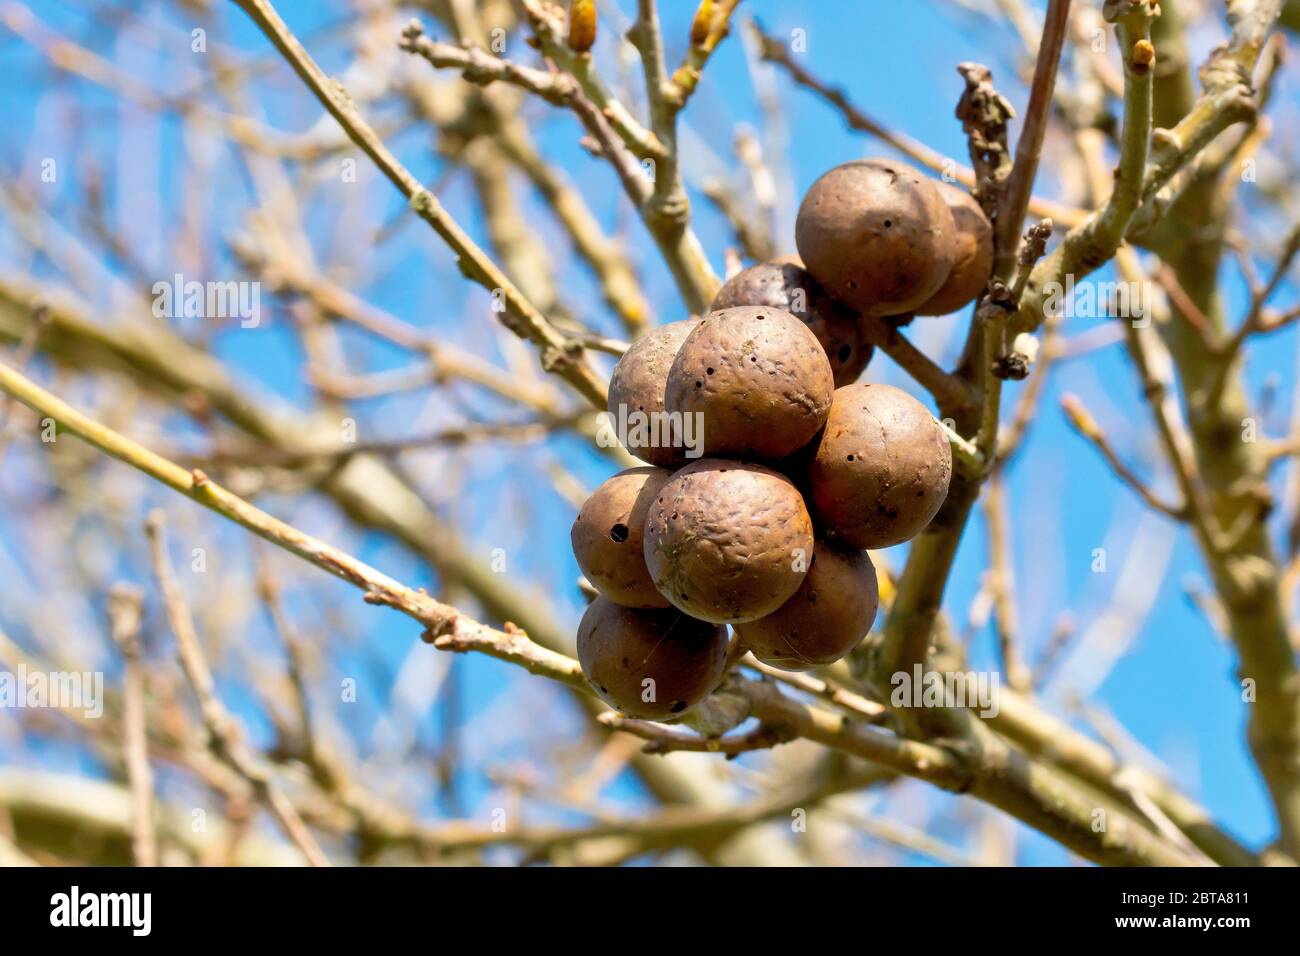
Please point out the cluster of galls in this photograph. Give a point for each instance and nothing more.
(803, 469)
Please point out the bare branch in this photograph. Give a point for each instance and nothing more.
(125, 608)
(224, 735)
(558, 353)
(774, 51)
(1015, 197)
(1087, 426)
(661, 739)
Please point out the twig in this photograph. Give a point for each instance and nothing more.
(753, 237)
(1087, 426)
(710, 27)
(448, 627)
(374, 819)
(1053, 350)
(66, 55)
(446, 361)
(952, 393)
(646, 36)
(1015, 197)
(827, 690)
(218, 721)
(699, 827)
(558, 353)
(1200, 323)
(603, 343)
(1018, 15)
(546, 22)
(1008, 195)
(1033, 793)
(1003, 778)
(125, 607)
(666, 211)
(561, 89)
(271, 456)
(607, 258)
(26, 349)
(1256, 321)
(1001, 361)
(1042, 734)
(969, 459)
(912, 839)
(1143, 172)
(268, 590)
(774, 51)
(662, 739)
(1064, 630)
(1144, 346)
(1002, 584)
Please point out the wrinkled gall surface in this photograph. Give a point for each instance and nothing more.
(607, 537)
(881, 468)
(828, 616)
(637, 385)
(972, 254)
(758, 377)
(727, 541)
(649, 664)
(877, 234)
(786, 285)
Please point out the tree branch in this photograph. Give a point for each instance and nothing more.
(710, 27)
(1005, 779)
(222, 732)
(774, 51)
(666, 210)
(125, 607)
(1087, 426)
(1029, 147)
(559, 354)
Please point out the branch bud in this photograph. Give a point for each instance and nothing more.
(1142, 58)
(1079, 416)
(1035, 243)
(702, 25)
(582, 25)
